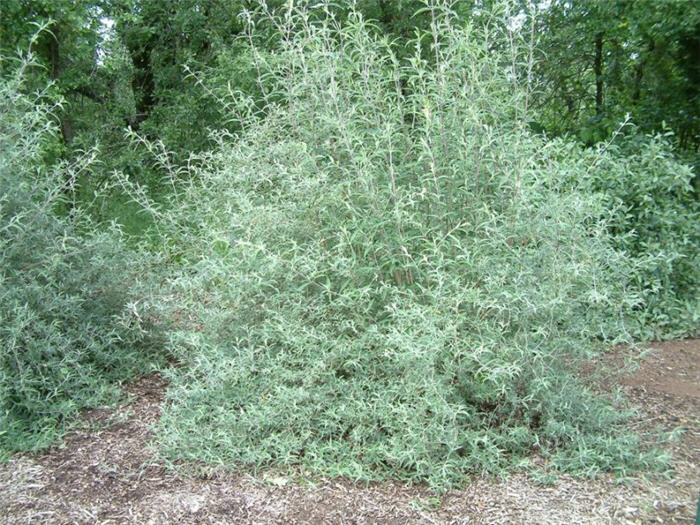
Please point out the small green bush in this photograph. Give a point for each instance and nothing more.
(74, 318)
(658, 225)
(382, 277)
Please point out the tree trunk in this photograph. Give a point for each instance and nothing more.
(54, 59)
(639, 72)
(598, 70)
(143, 84)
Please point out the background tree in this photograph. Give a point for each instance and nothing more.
(602, 60)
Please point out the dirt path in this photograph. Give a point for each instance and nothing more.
(105, 473)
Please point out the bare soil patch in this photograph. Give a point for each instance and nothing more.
(105, 472)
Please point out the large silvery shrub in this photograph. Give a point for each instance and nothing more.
(72, 322)
(382, 276)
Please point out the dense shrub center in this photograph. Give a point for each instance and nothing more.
(391, 275)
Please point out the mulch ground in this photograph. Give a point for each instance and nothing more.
(106, 472)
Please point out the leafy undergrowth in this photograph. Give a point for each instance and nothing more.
(106, 468)
(387, 275)
(74, 319)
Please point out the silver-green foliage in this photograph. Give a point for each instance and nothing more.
(70, 318)
(655, 221)
(658, 224)
(382, 277)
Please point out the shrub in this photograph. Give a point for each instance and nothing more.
(384, 279)
(73, 317)
(657, 225)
